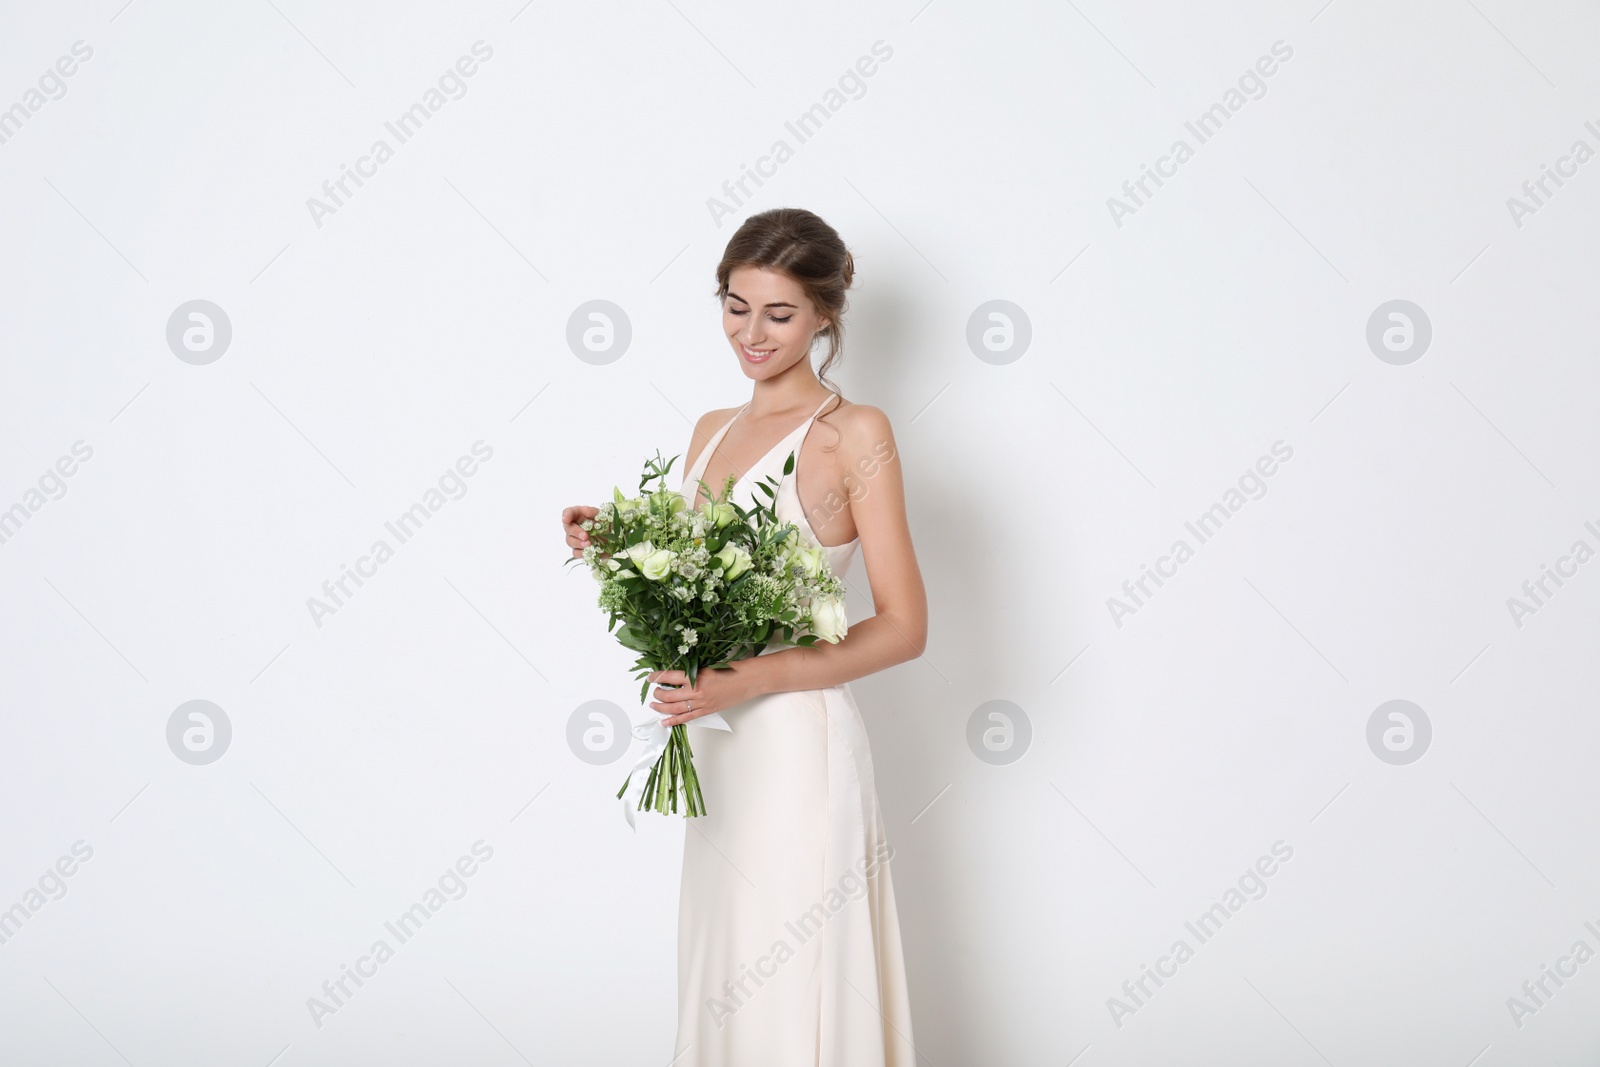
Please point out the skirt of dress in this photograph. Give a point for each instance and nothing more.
(789, 948)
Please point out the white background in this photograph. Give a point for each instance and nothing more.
(1170, 748)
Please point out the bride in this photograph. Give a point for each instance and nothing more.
(789, 949)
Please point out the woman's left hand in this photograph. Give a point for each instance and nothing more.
(716, 690)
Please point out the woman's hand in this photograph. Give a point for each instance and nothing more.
(577, 536)
(717, 690)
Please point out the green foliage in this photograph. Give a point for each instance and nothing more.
(703, 587)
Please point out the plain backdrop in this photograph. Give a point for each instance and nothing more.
(1348, 275)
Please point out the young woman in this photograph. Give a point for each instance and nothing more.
(789, 948)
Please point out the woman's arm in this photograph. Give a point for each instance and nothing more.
(899, 630)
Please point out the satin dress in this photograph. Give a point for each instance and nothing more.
(789, 950)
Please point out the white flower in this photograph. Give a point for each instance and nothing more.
(669, 500)
(654, 563)
(810, 560)
(658, 564)
(734, 561)
(828, 619)
(718, 514)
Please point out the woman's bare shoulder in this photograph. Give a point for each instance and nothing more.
(863, 426)
(704, 430)
(710, 423)
(864, 435)
(714, 419)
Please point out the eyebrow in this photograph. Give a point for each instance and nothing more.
(774, 304)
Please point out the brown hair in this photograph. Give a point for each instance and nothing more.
(798, 243)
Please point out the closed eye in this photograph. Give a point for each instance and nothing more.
(746, 311)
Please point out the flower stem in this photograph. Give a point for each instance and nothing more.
(671, 776)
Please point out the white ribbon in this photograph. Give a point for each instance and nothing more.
(655, 737)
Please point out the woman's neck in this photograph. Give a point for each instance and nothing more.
(795, 388)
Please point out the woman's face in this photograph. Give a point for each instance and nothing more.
(769, 321)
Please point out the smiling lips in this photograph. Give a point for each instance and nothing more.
(755, 355)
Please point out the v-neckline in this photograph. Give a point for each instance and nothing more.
(704, 461)
(760, 462)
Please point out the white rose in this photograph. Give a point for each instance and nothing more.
(828, 619)
(670, 500)
(652, 562)
(734, 561)
(810, 560)
(719, 515)
(658, 564)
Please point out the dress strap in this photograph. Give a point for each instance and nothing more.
(805, 430)
(798, 433)
(700, 462)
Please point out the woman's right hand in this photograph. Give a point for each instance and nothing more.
(577, 536)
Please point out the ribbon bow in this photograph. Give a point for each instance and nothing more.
(655, 737)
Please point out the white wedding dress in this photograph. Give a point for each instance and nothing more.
(788, 942)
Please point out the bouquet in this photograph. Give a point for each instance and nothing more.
(697, 589)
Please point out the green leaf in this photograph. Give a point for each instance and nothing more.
(632, 637)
